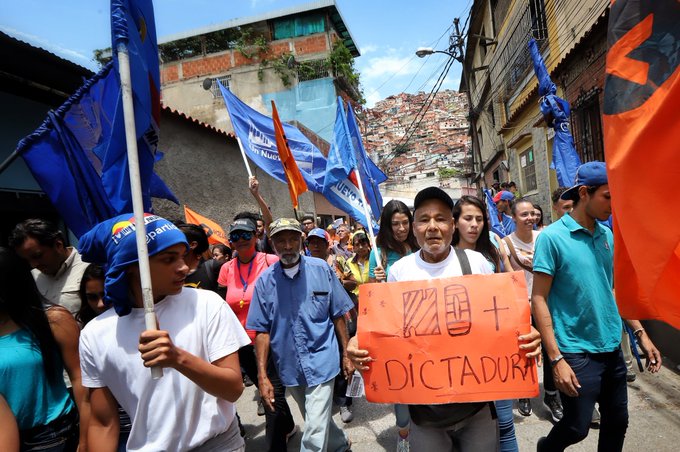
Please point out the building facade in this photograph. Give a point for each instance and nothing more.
(514, 142)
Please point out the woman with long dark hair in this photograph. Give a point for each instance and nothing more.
(472, 232)
(538, 213)
(394, 241)
(35, 347)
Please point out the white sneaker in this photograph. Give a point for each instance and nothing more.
(345, 414)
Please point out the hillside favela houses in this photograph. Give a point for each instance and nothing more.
(436, 152)
(302, 58)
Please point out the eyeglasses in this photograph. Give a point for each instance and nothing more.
(236, 236)
(94, 296)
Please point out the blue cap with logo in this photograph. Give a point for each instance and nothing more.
(113, 244)
(591, 174)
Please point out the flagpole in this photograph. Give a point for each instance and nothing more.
(243, 154)
(367, 210)
(136, 192)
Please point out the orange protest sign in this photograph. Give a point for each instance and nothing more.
(446, 340)
(215, 232)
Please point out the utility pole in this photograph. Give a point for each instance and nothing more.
(456, 48)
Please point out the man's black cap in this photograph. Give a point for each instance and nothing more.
(432, 193)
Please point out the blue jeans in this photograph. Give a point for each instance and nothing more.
(321, 432)
(602, 377)
(60, 435)
(506, 426)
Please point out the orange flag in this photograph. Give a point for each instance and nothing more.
(215, 232)
(641, 123)
(296, 184)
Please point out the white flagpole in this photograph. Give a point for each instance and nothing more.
(243, 154)
(136, 192)
(367, 213)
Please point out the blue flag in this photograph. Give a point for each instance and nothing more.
(256, 132)
(133, 26)
(494, 224)
(340, 187)
(78, 155)
(369, 173)
(565, 159)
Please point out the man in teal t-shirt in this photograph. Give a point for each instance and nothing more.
(575, 311)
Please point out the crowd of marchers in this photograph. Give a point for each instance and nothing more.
(278, 308)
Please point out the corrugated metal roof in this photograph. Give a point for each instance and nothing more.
(197, 122)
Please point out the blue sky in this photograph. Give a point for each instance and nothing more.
(387, 32)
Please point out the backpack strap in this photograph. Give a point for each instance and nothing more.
(464, 261)
(513, 253)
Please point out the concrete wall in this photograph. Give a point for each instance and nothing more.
(205, 171)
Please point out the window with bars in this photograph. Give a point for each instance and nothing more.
(215, 89)
(586, 125)
(528, 166)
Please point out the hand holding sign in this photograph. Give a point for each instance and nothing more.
(446, 340)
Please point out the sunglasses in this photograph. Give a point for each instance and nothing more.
(94, 296)
(236, 236)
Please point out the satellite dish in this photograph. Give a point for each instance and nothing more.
(207, 84)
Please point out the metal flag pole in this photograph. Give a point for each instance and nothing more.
(136, 191)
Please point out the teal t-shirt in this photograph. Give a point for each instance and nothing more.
(584, 313)
(392, 257)
(33, 399)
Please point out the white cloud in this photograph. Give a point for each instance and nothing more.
(370, 48)
(372, 98)
(388, 65)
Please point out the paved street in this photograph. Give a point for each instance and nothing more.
(654, 402)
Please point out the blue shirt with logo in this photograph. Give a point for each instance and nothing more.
(584, 314)
(298, 314)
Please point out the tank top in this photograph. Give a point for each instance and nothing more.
(33, 398)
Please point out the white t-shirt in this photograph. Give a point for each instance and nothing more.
(171, 413)
(525, 252)
(414, 268)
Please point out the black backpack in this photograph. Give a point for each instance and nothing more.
(448, 414)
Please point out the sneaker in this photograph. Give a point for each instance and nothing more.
(292, 433)
(630, 376)
(595, 420)
(403, 444)
(524, 407)
(553, 404)
(260, 408)
(346, 414)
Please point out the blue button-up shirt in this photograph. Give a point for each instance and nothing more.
(298, 314)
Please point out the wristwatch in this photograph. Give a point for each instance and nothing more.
(557, 359)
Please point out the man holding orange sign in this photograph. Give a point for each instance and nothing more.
(427, 374)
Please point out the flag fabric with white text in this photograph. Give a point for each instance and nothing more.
(371, 176)
(258, 139)
(338, 187)
(641, 123)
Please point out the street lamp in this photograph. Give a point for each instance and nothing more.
(422, 52)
